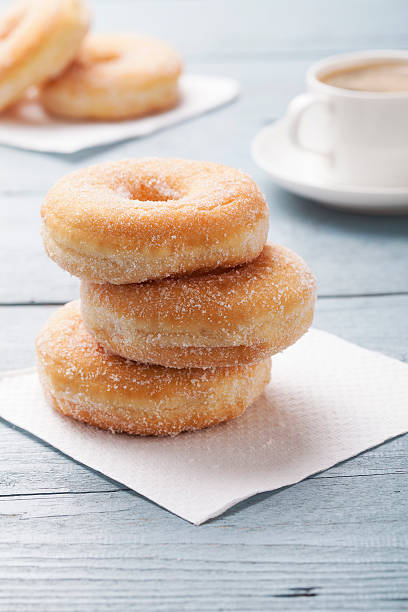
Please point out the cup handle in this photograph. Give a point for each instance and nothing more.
(295, 115)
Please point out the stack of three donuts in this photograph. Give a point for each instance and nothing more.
(182, 303)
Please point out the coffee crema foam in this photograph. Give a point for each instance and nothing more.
(384, 77)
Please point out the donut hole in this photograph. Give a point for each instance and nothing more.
(92, 57)
(152, 190)
(146, 194)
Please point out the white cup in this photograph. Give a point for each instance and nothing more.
(366, 132)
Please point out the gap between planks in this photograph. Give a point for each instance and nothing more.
(124, 488)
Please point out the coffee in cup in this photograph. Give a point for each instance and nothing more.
(360, 110)
(386, 77)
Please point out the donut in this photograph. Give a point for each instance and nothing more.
(116, 77)
(236, 316)
(38, 38)
(135, 220)
(83, 381)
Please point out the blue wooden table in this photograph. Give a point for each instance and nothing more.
(70, 539)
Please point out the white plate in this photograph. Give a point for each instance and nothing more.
(308, 175)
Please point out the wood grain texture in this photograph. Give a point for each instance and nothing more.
(72, 540)
(360, 320)
(350, 254)
(144, 562)
(114, 550)
(333, 539)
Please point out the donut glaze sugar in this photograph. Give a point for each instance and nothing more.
(139, 219)
(223, 318)
(83, 381)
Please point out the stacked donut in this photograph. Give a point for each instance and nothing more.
(182, 302)
(44, 44)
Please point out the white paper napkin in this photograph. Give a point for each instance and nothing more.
(29, 127)
(328, 400)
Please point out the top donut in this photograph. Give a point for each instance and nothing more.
(140, 219)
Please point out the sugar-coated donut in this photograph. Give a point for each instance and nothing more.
(38, 38)
(84, 381)
(241, 315)
(135, 220)
(115, 77)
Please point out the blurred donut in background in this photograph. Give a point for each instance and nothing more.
(115, 77)
(38, 39)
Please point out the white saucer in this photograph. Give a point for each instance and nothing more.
(308, 175)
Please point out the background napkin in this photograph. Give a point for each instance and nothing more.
(328, 400)
(27, 126)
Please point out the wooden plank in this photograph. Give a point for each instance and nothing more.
(358, 320)
(377, 323)
(21, 325)
(222, 136)
(341, 544)
(331, 540)
(349, 254)
(313, 507)
(73, 540)
(45, 471)
(26, 270)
